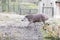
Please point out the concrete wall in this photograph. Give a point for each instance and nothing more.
(57, 10)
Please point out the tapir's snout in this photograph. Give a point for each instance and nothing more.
(23, 19)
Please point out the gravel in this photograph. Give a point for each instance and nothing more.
(12, 28)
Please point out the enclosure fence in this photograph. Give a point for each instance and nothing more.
(13, 6)
(48, 10)
(17, 10)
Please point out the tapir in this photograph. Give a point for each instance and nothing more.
(32, 18)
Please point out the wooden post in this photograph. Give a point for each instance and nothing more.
(43, 8)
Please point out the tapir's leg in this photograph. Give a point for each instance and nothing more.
(35, 29)
(29, 24)
(43, 23)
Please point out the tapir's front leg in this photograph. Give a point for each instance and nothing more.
(29, 24)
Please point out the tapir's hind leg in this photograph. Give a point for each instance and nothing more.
(44, 24)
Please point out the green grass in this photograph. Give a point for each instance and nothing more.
(52, 38)
(48, 36)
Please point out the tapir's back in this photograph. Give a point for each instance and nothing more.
(39, 17)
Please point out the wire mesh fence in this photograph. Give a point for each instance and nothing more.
(9, 6)
(18, 10)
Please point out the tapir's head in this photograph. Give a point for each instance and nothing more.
(24, 18)
(27, 17)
